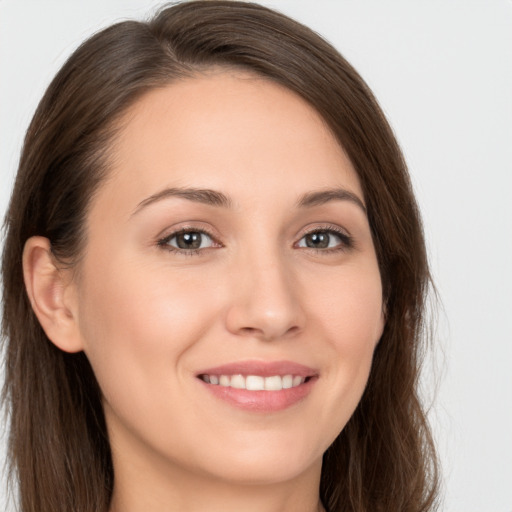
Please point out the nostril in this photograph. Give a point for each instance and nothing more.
(250, 330)
(269, 334)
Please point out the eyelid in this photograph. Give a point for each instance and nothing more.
(163, 241)
(324, 227)
(183, 227)
(347, 241)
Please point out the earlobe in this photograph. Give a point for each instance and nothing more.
(51, 294)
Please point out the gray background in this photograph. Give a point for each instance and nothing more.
(442, 71)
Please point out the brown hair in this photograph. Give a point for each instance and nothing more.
(384, 459)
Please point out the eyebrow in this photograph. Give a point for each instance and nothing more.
(215, 198)
(197, 195)
(320, 197)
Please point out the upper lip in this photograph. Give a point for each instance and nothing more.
(263, 368)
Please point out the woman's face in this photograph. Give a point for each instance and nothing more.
(230, 244)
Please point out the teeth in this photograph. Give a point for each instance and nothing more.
(288, 381)
(238, 382)
(224, 380)
(274, 383)
(255, 382)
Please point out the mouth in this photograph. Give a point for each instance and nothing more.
(260, 386)
(255, 382)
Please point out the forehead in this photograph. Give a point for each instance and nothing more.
(226, 130)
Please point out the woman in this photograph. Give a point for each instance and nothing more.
(214, 278)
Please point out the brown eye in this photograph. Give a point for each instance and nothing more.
(325, 239)
(318, 240)
(190, 240)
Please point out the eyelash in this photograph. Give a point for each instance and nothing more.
(164, 242)
(346, 241)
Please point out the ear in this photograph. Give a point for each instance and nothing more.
(52, 294)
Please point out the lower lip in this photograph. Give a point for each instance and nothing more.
(261, 401)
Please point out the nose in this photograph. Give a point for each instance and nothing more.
(265, 299)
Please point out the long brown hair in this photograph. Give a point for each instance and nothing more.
(384, 459)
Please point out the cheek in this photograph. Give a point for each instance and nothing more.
(350, 316)
(359, 327)
(349, 308)
(137, 325)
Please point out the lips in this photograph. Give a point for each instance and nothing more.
(260, 386)
(254, 382)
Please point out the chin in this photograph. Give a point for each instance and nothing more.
(264, 461)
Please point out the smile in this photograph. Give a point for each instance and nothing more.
(259, 386)
(255, 382)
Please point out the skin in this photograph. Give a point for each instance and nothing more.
(149, 318)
